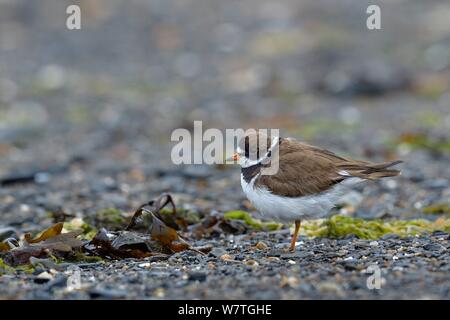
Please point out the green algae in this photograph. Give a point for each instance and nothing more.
(81, 257)
(189, 216)
(340, 226)
(5, 268)
(254, 223)
(110, 218)
(312, 129)
(437, 209)
(422, 141)
(89, 231)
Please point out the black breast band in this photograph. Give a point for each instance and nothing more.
(250, 172)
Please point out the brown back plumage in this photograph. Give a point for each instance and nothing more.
(305, 170)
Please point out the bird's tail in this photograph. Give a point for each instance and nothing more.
(372, 171)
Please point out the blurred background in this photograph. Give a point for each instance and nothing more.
(86, 115)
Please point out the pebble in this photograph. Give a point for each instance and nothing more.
(145, 265)
(159, 293)
(436, 184)
(273, 259)
(390, 236)
(295, 255)
(96, 293)
(43, 277)
(227, 257)
(8, 232)
(252, 263)
(289, 281)
(331, 288)
(261, 245)
(197, 276)
(217, 252)
(434, 247)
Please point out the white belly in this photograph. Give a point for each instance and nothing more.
(287, 209)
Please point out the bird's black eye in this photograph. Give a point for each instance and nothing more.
(269, 154)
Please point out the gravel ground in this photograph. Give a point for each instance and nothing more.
(86, 117)
(413, 268)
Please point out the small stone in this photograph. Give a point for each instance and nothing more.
(107, 293)
(373, 243)
(273, 259)
(197, 276)
(226, 257)
(436, 184)
(390, 236)
(43, 277)
(289, 282)
(295, 255)
(391, 184)
(434, 247)
(252, 263)
(349, 265)
(46, 263)
(218, 252)
(38, 270)
(330, 288)
(239, 257)
(145, 265)
(7, 232)
(158, 257)
(261, 245)
(348, 258)
(439, 233)
(159, 293)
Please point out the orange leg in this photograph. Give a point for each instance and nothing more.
(295, 235)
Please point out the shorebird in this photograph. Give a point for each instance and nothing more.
(308, 182)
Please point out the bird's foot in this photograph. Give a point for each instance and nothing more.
(289, 249)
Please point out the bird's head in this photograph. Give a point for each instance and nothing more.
(255, 148)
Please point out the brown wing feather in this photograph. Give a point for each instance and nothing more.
(305, 170)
